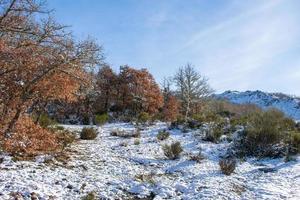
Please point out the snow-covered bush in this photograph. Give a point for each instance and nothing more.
(88, 134)
(173, 150)
(162, 135)
(227, 165)
(215, 130)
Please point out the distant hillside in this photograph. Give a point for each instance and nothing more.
(287, 104)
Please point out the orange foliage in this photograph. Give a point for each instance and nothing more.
(139, 91)
(170, 109)
(30, 139)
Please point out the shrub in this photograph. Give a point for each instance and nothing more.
(85, 119)
(162, 135)
(264, 130)
(45, 121)
(29, 139)
(89, 196)
(227, 165)
(215, 131)
(295, 142)
(136, 142)
(101, 119)
(197, 157)
(173, 150)
(143, 117)
(126, 134)
(65, 137)
(88, 134)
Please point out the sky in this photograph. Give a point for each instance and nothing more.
(237, 45)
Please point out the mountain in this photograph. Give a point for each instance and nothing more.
(288, 104)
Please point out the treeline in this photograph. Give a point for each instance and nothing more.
(132, 94)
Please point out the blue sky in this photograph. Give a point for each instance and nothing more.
(238, 45)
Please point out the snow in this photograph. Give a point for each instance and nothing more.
(115, 171)
(287, 104)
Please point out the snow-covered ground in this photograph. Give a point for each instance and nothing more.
(116, 168)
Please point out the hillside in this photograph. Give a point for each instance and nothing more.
(287, 104)
(118, 168)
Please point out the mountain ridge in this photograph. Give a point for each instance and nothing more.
(288, 104)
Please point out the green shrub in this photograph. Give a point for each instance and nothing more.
(143, 117)
(264, 131)
(88, 134)
(85, 119)
(89, 196)
(162, 135)
(216, 130)
(173, 150)
(101, 119)
(295, 142)
(227, 165)
(66, 137)
(136, 142)
(45, 121)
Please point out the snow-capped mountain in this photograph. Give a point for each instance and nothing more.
(288, 104)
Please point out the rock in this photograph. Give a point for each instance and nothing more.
(34, 196)
(267, 169)
(69, 186)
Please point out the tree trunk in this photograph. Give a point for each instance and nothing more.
(13, 122)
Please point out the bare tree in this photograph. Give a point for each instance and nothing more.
(192, 87)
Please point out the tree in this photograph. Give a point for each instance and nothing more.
(40, 61)
(138, 91)
(192, 87)
(170, 109)
(106, 81)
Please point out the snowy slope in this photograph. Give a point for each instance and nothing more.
(112, 170)
(287, 104)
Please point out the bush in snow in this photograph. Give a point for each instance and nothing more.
(197, 157)
(215, 130)
(136, 142)
(265, 133)
(227, 165)
(294, 142)
(89, 196)
(88, 134)
(65, 137)
(173, 150)
(126, 134)
(101, 119)
(143, 117)
(162, 135)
